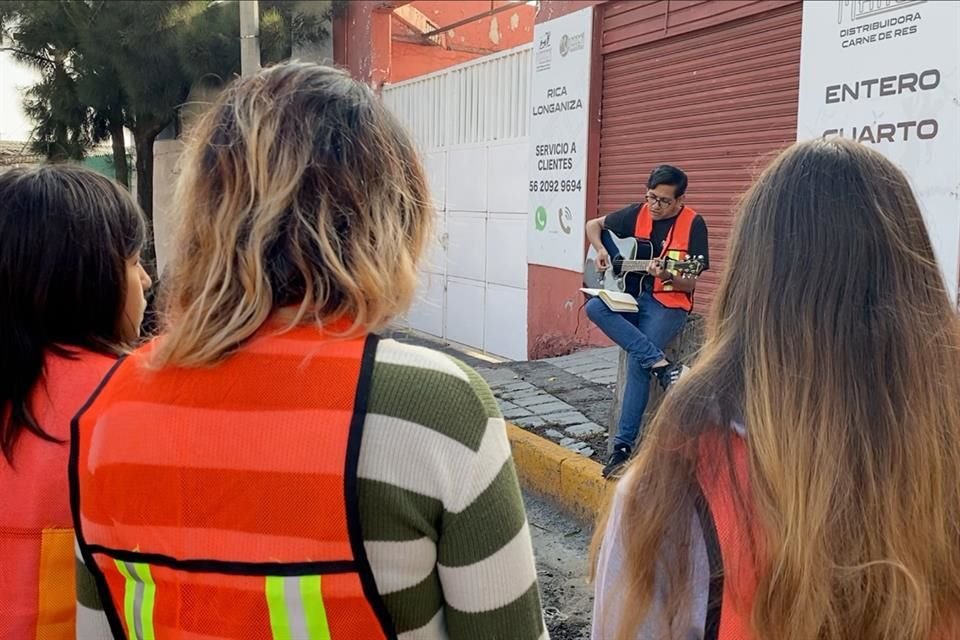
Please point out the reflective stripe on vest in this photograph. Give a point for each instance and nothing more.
(138, 599)
(221, 502)
(296, 608)
(57, 597)
(675, 247)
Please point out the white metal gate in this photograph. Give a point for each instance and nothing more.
(470, 122)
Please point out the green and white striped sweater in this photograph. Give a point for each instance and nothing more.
(441, 510)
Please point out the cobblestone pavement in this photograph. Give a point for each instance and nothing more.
(567, 399)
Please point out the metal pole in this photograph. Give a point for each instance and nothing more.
(249, 37)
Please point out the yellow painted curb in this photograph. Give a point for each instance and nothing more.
(570, 480)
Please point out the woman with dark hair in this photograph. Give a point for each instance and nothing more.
(71, 300)
(803, 481)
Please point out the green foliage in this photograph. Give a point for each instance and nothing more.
(133, 61)
(210, 47)
(39, 35)
(106, 65)
(64, 126)
(293, 26)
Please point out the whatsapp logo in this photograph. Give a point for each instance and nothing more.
(540, 219)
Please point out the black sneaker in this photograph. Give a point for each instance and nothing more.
(619, 457)
(669, 373)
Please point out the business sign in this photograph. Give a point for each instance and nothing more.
(559, 104)
(886, 73)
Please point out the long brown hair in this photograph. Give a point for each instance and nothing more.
(298, 188)
(833, 340)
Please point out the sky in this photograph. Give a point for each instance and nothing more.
(14, 77)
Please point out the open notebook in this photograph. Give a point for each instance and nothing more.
(616, 300)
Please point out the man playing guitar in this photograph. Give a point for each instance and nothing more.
(665, 228)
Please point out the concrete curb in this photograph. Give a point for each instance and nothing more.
(570, 480)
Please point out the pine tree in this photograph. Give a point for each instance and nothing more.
(107, 65)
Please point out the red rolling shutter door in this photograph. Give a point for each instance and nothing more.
(715, 100)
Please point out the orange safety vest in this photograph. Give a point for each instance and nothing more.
(675, 247)
(725, 532)
(37, 563)
(222, 502)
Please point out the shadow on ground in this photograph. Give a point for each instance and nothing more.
(560, 545)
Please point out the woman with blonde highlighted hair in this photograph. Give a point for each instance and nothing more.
(803, 481)
(268, 467)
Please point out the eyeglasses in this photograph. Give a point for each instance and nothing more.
(663, 202)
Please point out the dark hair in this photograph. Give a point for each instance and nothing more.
(65, 236)
(670, 176)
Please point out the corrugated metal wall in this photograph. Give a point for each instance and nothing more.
(716, 100)
(483, 100)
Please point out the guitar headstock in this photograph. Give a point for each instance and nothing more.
(690, 267)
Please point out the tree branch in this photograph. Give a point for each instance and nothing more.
(28, 54)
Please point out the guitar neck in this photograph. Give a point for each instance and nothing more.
(630, 266)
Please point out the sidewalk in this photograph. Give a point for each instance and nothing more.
(558, 410)
(567, 400)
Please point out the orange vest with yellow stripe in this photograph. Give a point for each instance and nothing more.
(675, 247)
(222, 502)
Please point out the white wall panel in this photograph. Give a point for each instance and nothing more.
(467, 179)
(507, 250)
(477, 101)
(505, 322)
(426, 313)
(471, 122)
(435, 258)
(435, 164)
(466, 245)
(507, 181)
(464, 312)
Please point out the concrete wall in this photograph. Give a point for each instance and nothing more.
(166, 154)
(550, 9)
(411, 60)
(377, 47)
(500, 31)
(362, 40)
(481, 37)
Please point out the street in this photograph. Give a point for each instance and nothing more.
(561, 547)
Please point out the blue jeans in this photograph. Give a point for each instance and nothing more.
(643, 335)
